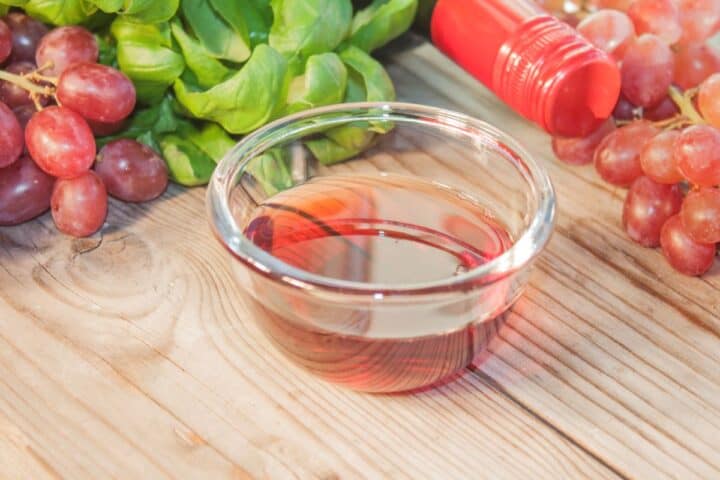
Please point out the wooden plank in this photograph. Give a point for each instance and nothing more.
(130, 355)
(609, 345)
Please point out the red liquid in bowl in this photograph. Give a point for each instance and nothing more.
(386, 229)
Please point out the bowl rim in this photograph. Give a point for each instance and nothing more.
(524, 249)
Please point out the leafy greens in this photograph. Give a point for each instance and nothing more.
(208, 70)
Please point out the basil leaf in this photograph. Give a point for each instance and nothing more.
(340, 144)
(145, 54)
(376, 82)
(148, 138)
(211, 139)
(272, 170)
(108, 52)
(323, 83)
(217, 37)
(157, 119)
(245, 101)
(109, 6)
(60, 12)
(381, 22)
(307, 27)
(367, 81)
(259, 18)
(207, 70)
(151, 11)
(233, 12)
(143, 11)
(187, 164)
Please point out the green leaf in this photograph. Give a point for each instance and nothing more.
(60, 12)
(211, 139)
(208, 71)
(340, 144)
(143, 11)
(188, 165)
(214, 33)
(308, 27)
(376, 82)
(151, 11)
(272, 170)
(145, 54)
(367, 81)
(108, 52)
(14, 3)
(148, 138)
(157, 119)
(323, 83)
(245, 101)
(233, 12)
(109, 6)
(381, 22)
(259, 18)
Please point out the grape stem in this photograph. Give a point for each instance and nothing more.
(24, 83)
(684, 101)
(41, 78)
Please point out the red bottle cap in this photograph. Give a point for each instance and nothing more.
(541, 67)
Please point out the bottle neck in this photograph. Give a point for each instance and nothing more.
(538, 65)
(472, 32)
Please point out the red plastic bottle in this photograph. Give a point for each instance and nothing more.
(538, 65)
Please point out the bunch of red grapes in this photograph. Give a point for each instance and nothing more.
(663, 142)
(54, 97)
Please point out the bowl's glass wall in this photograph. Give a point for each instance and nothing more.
(383, 339)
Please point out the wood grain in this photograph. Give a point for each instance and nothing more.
(131, 355)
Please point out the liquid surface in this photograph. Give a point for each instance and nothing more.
(386, 229)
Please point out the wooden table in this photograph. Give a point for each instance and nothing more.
(118, 357)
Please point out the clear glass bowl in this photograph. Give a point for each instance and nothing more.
(346, 326)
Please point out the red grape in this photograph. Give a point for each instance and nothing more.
(24, 192)
(709, 100)
(660, 17)
(132, 172)
(684, 254)
(647, 70)
(624, 110)
(26, 34)
(699, 19)
(662, 111)
(657, 159)
(11, 137)
(701, 215)
(101, 129)
(697, 152)
(622, 5)
(554, 6)
(11, 94)
(694, 63)
(97, 92)
(579, 151)
(609, 30)
(61, 142)
(648, 205)
(64, 47)
(617, 158)
(24, 113)
(5, 41)
(79, 205)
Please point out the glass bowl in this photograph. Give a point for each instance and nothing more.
(375, 242)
